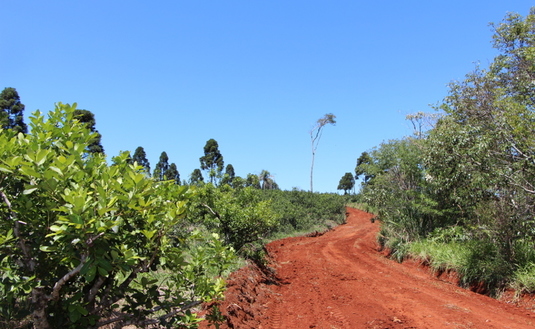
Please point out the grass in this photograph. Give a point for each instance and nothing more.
(440, 256)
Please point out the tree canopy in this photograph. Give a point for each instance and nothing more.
(141, 158)
(212, 161)
(161, 167)
(347, 182)
(12, 111)
(88, 118)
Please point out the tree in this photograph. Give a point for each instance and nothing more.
(364, 167)
(347, 182)
(196, 177)
(11, 111)
(229, 175)
(141, 158)
(173, 174)
(315, 136)
(88, 118)
(252, 181)
(161, 167)
(266, 180)
(212, 161)
(80, 240)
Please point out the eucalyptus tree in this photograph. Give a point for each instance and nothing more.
(88, 118)
(315, 136)
(161, 167)
(141, 158)
(212, 161)
(172, 174)
(11, 111)
(196, 177)
(229, 175)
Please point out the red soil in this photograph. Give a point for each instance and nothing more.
(341, 280)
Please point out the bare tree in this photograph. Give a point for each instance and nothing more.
(315, 136)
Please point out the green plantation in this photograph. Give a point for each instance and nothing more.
(88, 244)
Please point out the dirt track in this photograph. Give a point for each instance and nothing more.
(340, 280)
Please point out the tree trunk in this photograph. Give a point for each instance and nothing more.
(312, 173)
(39, 303)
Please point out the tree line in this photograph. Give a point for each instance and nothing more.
(460, 192)
(87, 243)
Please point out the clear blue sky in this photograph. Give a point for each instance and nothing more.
(253, 75)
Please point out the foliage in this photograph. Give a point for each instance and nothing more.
(240, 216)
(253, 181)
(347, 182)
(196, 177)
(301, 210)
(173, 174)
(141, 158)
(315, 136)
(472, 172)
(266, 180)
(398, 191)
(11, 111)
(161, 167)
(212, 161)
(88, 118)
(228, 177)
(81, 240)
(364, 167)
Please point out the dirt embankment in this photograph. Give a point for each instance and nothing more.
(340, 280)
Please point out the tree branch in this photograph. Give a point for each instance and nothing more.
(58, 285)
(30, 262)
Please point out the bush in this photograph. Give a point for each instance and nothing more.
(79, 237)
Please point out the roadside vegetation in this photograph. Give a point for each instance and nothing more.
(87, 243)
(459, 194)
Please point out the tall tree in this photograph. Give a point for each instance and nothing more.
(161, 167)
(88, 118)
(252, 181)
(141, 158)
(172, 174)
(315, 136)
(364, 167)
(266, 180)
(229, 175)
(347, 182)
(11, 111)
(196, 177)
(212, 161)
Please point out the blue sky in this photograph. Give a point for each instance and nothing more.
(253, 75)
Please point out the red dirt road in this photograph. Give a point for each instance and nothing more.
(340, 280)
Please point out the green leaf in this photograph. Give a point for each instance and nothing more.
(4, 169)
(29, 191)
(149, 234)
(91, 272)
(56, 169)
(48, 248)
